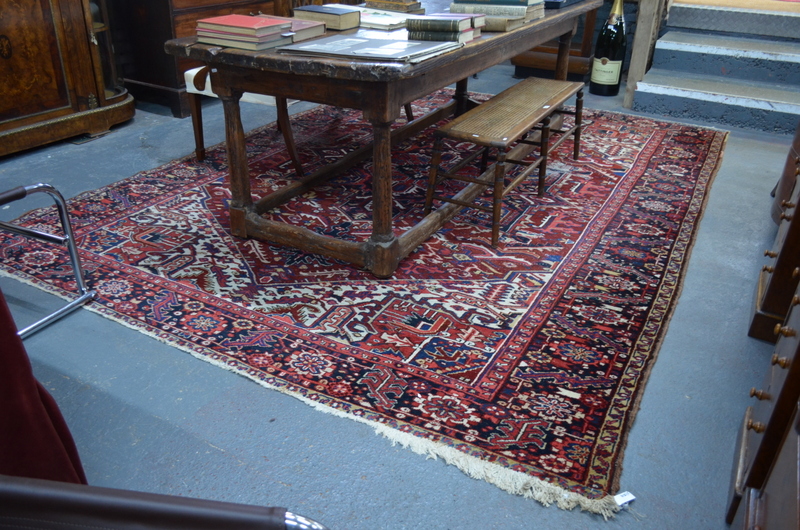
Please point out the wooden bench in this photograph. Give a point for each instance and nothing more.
(504, 123)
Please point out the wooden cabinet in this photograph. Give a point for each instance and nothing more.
(791, 170)
(56, 73)
(776, 504)
(779, 277)
(143, 26)
(767, 421)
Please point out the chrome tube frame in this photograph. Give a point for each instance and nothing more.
(68, 239)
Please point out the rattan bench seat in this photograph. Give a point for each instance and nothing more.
(504, 123)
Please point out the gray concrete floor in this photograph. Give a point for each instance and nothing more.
(148, 417)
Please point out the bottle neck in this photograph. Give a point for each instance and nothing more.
(616, 11)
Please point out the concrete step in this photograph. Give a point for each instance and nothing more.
(729, 56)
(734, 20)
(733, 103)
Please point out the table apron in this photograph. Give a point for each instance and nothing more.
(380, 100)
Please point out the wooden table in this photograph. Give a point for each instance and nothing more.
(379, 90)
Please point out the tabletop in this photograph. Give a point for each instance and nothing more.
(486, 50)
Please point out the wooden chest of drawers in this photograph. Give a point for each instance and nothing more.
(779, 277)
(142, 27)
(776, 505)
(768, 420)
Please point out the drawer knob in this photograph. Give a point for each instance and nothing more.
(767, 268)
(770, 254)
(796, 300)
(784, 330)
(756, 426)
(759, 394)
(787, 204)
(783, 362)
(786, 217)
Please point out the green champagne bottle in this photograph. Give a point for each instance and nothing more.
(609, 53)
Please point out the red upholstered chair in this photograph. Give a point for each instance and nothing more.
(34, 438)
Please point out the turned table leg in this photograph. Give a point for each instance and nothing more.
(239, 178)
(383, 249)
(562, 59)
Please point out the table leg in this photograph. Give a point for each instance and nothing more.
(383, 251)
(241, 198)
(461, 97)
(562, 59)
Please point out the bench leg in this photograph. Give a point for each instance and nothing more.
(436, 159)
(497, 196)
(576, 151)
(197, 125)
(545, 143)
(409, 112)
(484, 161)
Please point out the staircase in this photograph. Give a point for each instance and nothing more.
(734, 67)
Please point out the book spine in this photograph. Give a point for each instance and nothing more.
(442, 25)
(396, 9)
(376, 4)
(435, 35)
(499, 24)
(236, 36)
(490, 10)
(314, 15)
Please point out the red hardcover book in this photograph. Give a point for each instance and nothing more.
(248, 25)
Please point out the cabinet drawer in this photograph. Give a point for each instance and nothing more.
(789, 211)
(778, 502)
(776, 399)
(781, 365)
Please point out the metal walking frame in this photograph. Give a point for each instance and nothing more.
(68, 239)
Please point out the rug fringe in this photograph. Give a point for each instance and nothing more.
(508, 480)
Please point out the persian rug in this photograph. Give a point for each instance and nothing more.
(523, 365)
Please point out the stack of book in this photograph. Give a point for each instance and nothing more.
(450, 27)
(501, 15)
(259, 32)
(337, 17)
(401, 6)
(245, 32)
(478, 21)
